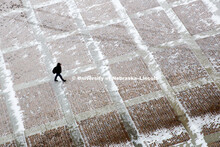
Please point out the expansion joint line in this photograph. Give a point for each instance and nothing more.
(186, 36)
(196, 136)
(144, 52)
(195, 48)
(12, 104)
(100, 62)
(59, 92)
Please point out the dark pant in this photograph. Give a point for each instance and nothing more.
(58, 74)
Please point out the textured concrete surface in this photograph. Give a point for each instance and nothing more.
(174, 43)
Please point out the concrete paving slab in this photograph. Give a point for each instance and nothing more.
(155, 28)
(191, 18)
(25, 64)
(171, 1)
(86, 94)
(5, 127)
(98, 132)
(201, 100)
(11, 144)
(135, 68)
(152, 117)
(113, 40)
(211, 47)
(134, 6)
(99, 14)
(54, 137)
(39, 105)
(15, 30)
(58, 8)
(70, 51)
(55, 22)
(9, 5)
(185, 67)
(35, 2)
(215, 144)
(202, 104)
(89, 3)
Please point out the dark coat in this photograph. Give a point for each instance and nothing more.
(58, 68)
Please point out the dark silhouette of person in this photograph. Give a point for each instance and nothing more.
(57, 70)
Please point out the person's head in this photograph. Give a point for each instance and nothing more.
(58, 64)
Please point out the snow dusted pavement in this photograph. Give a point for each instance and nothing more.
(12, 105)
(139, 73)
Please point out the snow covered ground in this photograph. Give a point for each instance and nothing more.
(139, 72)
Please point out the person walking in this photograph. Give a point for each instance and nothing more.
(57, 70)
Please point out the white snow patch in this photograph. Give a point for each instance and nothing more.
(93, 6)
(161, 135)
(212, 8)
(11, 100)
(72, 48)
(56, 53)
(216, 19)
(158, 75)
(77, 62)
(197, 123)
(25, 56)
(207, 120)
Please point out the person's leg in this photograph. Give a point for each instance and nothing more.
(55, 79)
(62, 78)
